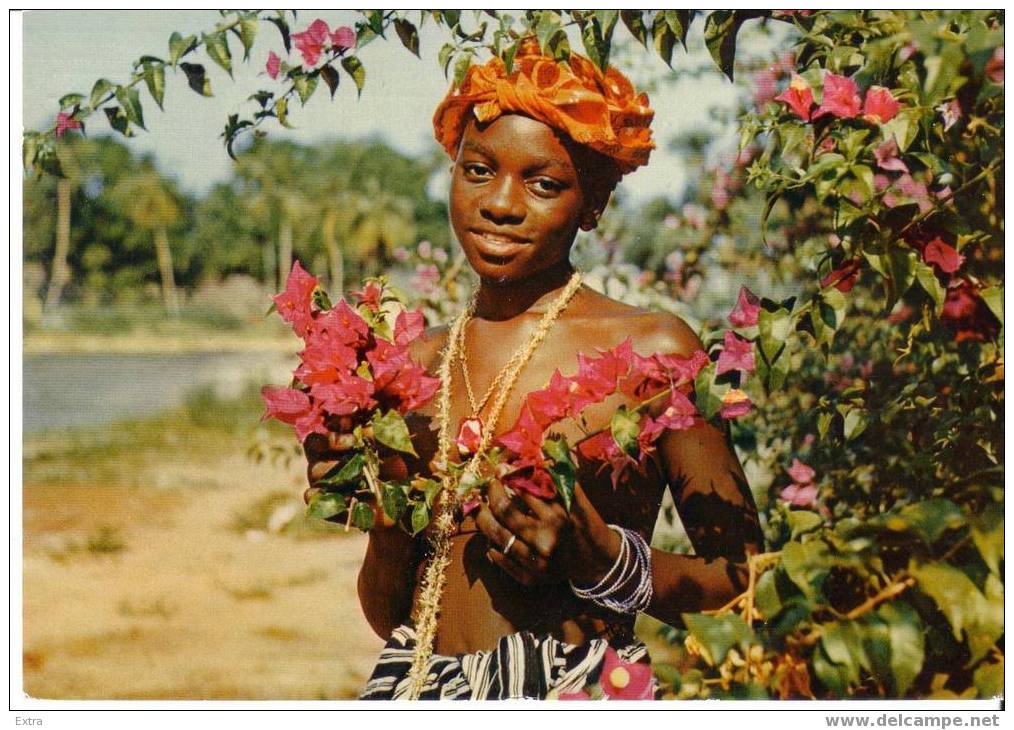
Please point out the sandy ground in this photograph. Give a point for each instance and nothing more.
(170, 600)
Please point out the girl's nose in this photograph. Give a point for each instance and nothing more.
(504, 202)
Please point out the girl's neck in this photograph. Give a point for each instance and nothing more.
(500, 300)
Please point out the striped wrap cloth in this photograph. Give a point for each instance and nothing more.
(522, 666)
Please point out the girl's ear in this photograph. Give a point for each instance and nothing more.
(589, 219)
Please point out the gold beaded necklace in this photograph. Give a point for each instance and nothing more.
(434, 576)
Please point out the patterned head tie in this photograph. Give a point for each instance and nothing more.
(598, 110)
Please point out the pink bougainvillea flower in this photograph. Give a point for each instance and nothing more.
(800, 472)
(274, 65)
(343, 38)
(798, 97)
(426, 279)
(880, 106)
(679, 415)
(525, 439)
(342, 324)
(65, 122)
(886, 155)
(345, 396)
(469, 436)
(602, 447)
(966, 313)
(682, 369)
(747, 309)
(550, 404)
(285, 404)
(311, 422)
(799, 495)
(532, 479)
(844, 277)
(764, 86)
(408, 326)
(943, 256)
(841, 98)
(296, 302)
(411, 387)
(647, 377)
(369, 296)
(737, 354)
(310, 43)
(950, 112)
(324, 359)
(579, 695)
(994, 67)
(735, 404)
(622, 680)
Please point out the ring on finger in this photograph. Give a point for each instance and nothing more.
(510, 543)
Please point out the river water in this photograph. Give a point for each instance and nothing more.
(86, 389)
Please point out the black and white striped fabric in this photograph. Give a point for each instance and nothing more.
(522, 666)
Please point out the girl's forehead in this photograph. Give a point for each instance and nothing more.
(516, 135)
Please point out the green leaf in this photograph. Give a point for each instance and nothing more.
(325, 505)
(932, 517)
(354, 68)
(444, 56)
(197, 78)
(802, 521)
(29, 151)
(707, 397)
(420, 517)
(931, 285)
(390, 429)
(282, 110)
(824, 423)
(562, 470)
(548, 26)
(362, 516)
(665, 39)
(305, 86)
(993, 296)
(118, 120)
(856, 421)
(904, 128)
(348, 472)
(718, 634)
(99, 90)
(720, 29)
(987, 534)
(247, 32)
(130, 100)
(988, 680)
(69, 100)
(679, 21)
(331, 78)
(979, 617)
(624, 426)
(508, 58)
(461, 67)
(833, 676)
(393, 500)
(407, 34)
(894, 644)
(842, 643)
(283, 28)
(634, 20)
(217, 47)
(180, 46)
(806, 565)
(154, 77)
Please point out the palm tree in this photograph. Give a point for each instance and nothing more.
(150, 202)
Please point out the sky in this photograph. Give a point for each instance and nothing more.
(67, 51)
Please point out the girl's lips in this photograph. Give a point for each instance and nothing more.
(496, 246)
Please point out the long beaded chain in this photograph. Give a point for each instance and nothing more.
(434, 576)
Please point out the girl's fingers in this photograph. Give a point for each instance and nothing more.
(318, 469)
(510, 568)
(509, 511)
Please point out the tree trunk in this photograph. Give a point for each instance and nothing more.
(59, 273)
(165, 268)
(334, 255)
(284, 251)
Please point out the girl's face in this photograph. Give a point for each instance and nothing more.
(516, 200)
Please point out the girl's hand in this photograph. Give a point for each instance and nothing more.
(550, 545)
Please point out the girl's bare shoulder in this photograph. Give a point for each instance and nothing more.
(607, 322)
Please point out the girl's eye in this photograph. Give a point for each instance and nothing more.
(546, 185)
(476, 170)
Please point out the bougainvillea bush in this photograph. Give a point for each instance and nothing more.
(865, 214)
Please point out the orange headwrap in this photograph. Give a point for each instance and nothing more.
(600, 111)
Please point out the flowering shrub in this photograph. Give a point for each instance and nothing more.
(872, 159)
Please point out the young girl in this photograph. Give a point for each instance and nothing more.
(536, 600)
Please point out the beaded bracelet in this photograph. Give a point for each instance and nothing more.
(632, 562)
